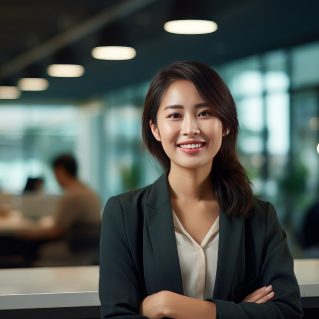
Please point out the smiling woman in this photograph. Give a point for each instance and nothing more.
(210, 93)
(196, 243)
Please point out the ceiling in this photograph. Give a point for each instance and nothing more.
(32, 31)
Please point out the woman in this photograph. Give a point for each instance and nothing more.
(195, 244)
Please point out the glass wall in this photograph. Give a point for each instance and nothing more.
(277, 97)
(127, 164)
(30, 137)
(278, 106)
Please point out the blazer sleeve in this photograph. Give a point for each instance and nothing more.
(277, 270)
(119, 287)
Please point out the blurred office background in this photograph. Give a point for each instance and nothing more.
(266, 51)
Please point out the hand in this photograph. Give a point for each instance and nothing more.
(153, 306)
(261, 295)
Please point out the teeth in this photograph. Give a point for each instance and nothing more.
(191, 145)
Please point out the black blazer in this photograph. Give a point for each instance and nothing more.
(139, 257)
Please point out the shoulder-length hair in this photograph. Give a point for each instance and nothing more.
(230, 182)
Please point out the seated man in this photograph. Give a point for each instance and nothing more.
(77, 219)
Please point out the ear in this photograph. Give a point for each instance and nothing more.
(155, 131)
(226, 132)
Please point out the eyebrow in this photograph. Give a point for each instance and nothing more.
(178, 106)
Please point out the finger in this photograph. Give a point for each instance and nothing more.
(266, 298)
(261, 293)
(258, 294)
(254, 296)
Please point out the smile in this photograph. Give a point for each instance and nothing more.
(191, 146)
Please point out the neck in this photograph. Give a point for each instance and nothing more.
(190, 184)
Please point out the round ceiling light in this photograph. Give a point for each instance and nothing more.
(190, 26)
(113, 53)
(66, 70)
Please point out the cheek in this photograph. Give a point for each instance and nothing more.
(167, 131)
(213, 130)
(218, 128)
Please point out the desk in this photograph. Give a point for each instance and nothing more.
(13, 223)
(16, 251)
(32, 206)
(74, 290)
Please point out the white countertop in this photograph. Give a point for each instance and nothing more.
(78, 286)
(307, 273)
(54, 287)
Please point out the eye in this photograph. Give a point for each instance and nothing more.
(205, 113)
(174, 116)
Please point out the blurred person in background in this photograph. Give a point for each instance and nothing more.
(33, 185)
(79, 207)
(77, 219)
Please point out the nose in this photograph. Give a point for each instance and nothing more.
(190, 127)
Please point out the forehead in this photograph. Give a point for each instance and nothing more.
(181, 92)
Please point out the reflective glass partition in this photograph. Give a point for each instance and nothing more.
(127, 165)
(30, 136)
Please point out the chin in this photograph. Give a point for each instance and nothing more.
(193, 164)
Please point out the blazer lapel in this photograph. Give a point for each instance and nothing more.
(231, 252)
(159, 223)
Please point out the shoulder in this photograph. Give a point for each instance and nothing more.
(261, 206)
(261, 226)
(263, 214)
(263, 222)
(73, 199)
(127, 206)
(132, 198)
(152, 195)
(124, 214)
(262, 209)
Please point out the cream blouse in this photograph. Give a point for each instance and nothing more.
(198, 263)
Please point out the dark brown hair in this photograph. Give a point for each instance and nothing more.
(68, 162)
(230, 182)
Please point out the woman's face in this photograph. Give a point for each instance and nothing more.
(190, 135)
